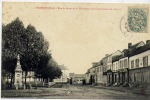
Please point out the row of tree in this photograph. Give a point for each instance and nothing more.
(32, 47)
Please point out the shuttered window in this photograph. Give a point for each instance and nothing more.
(125, 63)
(132, 64)
(137, 62)
(145, 61)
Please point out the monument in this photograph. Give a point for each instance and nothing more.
(18, 74)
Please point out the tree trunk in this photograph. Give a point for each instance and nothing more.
(7, 78)
(43, 82)
(48, 79)
(11, 82)
(25, 78)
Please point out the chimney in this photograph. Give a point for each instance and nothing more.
(125, 51)
(147, 41)
(129, 45)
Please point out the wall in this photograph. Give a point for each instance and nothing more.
(87, 78)
(109, 61)
(139, 74)
(104, 79)
(140, 57)
(115, 66)
(123, 61)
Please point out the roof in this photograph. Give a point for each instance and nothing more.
(116, 58)
(88, 71)
(141, 49)
(115, 52)
(95, 64)
(134, 48)
(130, 51)
(125, 53)
(106, 56)
(135, 45)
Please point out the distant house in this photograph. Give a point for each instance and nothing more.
(87, 77)
(104, 63)
(99, 73)
(76, 78)
(64, 76)
(92, 75)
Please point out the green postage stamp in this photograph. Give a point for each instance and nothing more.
(138, 19)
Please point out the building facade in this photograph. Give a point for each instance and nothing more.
(139, 65)
(110, 73)
(104, 65)
(87, 77)
(132, 65)
(77, 78)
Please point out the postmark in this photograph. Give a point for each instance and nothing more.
(124, 28)
(138, 19)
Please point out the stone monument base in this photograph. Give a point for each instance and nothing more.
(18, 86)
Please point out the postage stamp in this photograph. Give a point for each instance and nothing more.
(138, 19)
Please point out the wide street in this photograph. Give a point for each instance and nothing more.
(87, 92)
(66, 91)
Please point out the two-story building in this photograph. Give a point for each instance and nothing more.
(104, 65)
(131, 65)
(100, 73)
(76, 78)
(116, 74)
(110, 77)
(87, 77)
(123, 67)
(139, 64)
(92, 75)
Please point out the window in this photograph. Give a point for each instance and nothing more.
(137, 62)
(114, 67)
(97, 69)
(121, 64)
(125, 63)
(110, 67)
(145, 61)
(132, 64)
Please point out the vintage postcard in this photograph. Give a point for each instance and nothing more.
(60, 50)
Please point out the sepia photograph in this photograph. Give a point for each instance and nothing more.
(74, 50)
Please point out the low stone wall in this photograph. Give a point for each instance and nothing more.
(51, 84)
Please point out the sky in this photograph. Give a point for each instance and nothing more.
(78, 33)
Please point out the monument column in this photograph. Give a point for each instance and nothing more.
(18, 74)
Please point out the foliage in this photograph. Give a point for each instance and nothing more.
(35, 53)
(12, 35)
(32, 48)
(50, 71)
